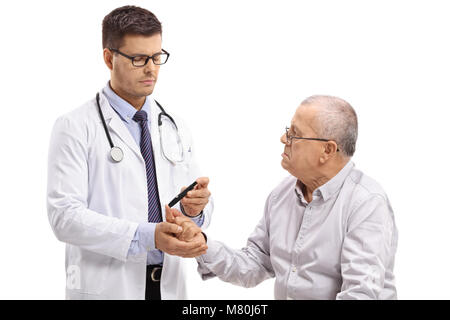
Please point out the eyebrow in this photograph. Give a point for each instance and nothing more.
(146, 55)
(139, 54)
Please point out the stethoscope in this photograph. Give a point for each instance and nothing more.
(174, 157)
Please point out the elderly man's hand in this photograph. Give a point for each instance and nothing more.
(190, 231)
(196, 200)
(165, 240)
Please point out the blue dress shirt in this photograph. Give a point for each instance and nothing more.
(144, 238)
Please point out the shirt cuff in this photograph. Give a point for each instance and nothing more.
(198, 219)
(204, 267)
(144, 239)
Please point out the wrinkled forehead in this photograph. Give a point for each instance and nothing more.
(304, 119)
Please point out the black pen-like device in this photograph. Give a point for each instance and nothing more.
(182, 194)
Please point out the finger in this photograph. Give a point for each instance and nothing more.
(177, 247)
(197, 245)
(189, 233)
(172, 213)
(182, 219)
(195, 253)
(169, 214)
(183, 247)
(199, 240)
(191, 228)
(200, 193)
(195, 201)
(188, 224)
(167, 227)
(176, 213)
(202, 182)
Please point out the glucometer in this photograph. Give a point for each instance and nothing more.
(182, 194)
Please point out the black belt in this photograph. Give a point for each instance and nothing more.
(153, 282)
(154, 273)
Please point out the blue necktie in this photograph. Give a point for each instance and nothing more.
(154, 208)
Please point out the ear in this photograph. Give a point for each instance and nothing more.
(329, 151)
(107, 57)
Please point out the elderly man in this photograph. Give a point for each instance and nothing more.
(328, 230)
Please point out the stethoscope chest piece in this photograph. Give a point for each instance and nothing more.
(116, 154)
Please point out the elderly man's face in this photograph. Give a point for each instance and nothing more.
(301, 157)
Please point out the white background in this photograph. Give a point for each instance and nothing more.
(237, 72)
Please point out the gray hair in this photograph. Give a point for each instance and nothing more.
(336, 120)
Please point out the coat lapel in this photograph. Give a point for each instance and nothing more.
(161, 166)
(116, 125)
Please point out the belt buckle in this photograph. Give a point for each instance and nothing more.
(152, 275)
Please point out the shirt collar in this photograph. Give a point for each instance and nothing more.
(125, 110)
(299, 193)
(335, 183)
(329, 188)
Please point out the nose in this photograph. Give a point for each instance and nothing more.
(283, 139)
(150, 66)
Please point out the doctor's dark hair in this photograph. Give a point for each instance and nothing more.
(128, 20)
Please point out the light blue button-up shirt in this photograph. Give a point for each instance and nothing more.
(144, 238)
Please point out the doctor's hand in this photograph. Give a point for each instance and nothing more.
(190, 229)
(197, 199)
(165, 240)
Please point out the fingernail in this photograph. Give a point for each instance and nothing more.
(179, 229)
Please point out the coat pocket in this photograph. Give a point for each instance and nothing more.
(89, 274)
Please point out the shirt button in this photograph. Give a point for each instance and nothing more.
(294, 269)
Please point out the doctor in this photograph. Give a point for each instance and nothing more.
(113, 164)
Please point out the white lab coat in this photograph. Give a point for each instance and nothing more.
(95, 205)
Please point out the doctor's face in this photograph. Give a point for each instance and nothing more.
(301, 157)
(130, 82)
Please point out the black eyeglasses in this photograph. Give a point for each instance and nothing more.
(289, 138)
(142, 59)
